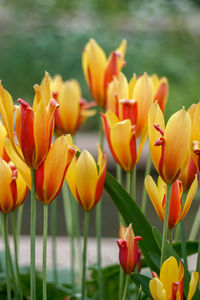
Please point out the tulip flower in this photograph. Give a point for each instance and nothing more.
(73, 110)
(129, 254)
(86, 179)
(34, 125)
(160, 90)
(121, 140)
(168, 146)
(169, 286)
(194, 111)
(57, 160)
(158, 193)
(99, 70)
(3, 134)
(188, 171)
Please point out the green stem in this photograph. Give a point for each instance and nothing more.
(177, 232)
(119, 179)
(170, 236)
(14, 229)
(183, 244)
(1, 226)
(133, 193)
(33, 231)
(128, 182)
(19, 220)
(126, 286)
(86, 225)
(195, 226)
(165, 227)
(53, 235)
(121, 282)
(144, 193)
(7, 257)
(44, 265)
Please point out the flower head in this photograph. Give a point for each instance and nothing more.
(129, 254)
(86, 179)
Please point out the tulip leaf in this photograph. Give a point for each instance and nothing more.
(142, 280)
(131, 213)
(171, 252)
(191, 247)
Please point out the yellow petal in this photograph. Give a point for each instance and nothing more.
(131, 85)
(157, 289)
(169, 274)
(21, 189)
(193, 285)
(71, 176)
(120, 136)
(56, 83)
(143, 94)
(6, 198)
(86, 179)
(154, 196)
(121, 49)
(3, 134)
(177, 142)
(155, 117)
(111, 118)
(18, 162)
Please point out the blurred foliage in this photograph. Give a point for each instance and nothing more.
(50, 35)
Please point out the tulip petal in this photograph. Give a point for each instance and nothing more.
(157, 289)
(6, 197)
(193, 285)
(154, 196)
(71, 176)
(102, 163)
(21, 190)
(175, 207)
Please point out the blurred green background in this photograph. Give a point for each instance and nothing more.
(162, 35)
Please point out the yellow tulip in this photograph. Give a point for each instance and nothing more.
(168, 146)
(158, 193)
(73, 110)
(86, 179)
(169, 285)
(99, 70)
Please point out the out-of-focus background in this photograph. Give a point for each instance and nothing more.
(163, 37)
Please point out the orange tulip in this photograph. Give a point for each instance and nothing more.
(161, 90)
(169, 286)
(57, 160)
(188, 171)
(158, 194)
(99, 70)
(129, 254)
(34, 125)
(12, 186)
(194, 112)
(73, 110)
(3, 134)
(168, 146)
(86, 179)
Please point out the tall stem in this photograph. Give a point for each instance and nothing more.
(133, 192)
(7, 257)
(86, 225)
(126, 286)
(183, 244)
(128, 182)
(33, 231)
(170, 236)
(53, 235)
(165, 227)
(144, 192)
(14, 229)
(44, 265)
(19, 220)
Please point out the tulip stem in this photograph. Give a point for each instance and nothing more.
(7, 257)
(183, 244)
(14, 229)
(44, 265)
(177, 233)
(53, 235)
(195, 226)
(170, 236)
(165, 227)
(33, 231)
(128, 182)
(144, 192)
(85, 233)
(126, 286)
(19, 220)
(133, 193)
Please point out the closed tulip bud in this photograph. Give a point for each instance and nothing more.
(99, 70)
(168, 146)
(169, 285)
(86, 178)
(73, 110)
(34, 125)
(129, 253)
(158, 193)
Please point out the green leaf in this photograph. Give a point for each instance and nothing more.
(171, 252)
(191, 247)
(142, 280)
(131, 213)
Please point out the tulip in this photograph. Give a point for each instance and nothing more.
(99, 70)
(73, 110)
(34, 125)
(3, 134)
(194, 111)
(160, 90)
(57, 160)
(168, 146)
(188, 171)
(86, 179)
(129, 254)
(158, 193)
(169, 286)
